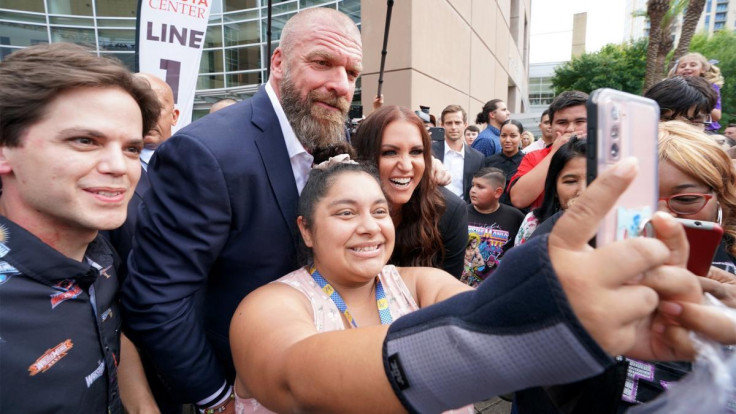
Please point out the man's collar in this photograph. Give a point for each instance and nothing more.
(448, 149)
(493, 129)
(293, 146)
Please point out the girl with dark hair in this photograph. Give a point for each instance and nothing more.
(431, 222)
(344, 284)
(565, 182)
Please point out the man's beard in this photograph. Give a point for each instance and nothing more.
(314, 126)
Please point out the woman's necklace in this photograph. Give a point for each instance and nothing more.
(381, 301)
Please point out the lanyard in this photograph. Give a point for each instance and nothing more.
(381, 300)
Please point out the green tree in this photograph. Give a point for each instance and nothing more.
(619, 67)
(722, 47)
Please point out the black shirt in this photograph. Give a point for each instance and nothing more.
(59, 327)
(508, 165)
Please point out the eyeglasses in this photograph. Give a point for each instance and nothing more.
(686, 204)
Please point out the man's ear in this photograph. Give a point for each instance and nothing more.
(277, 64)
(5, 167)
(175, 117)
(306, 235)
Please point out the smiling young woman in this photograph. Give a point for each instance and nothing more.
(430, 221)
(344, 284)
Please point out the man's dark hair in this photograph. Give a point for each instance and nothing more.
(31, 78)
(546, 112)
(472, 128)
(490, 106)
(678, 94)
(566, 99)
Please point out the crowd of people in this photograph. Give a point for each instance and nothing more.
(263, 259)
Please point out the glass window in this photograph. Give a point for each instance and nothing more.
(17, 34)
(233, 5)
(116, 8)
(236, 17)
(113, 39)
(243, 33)
(73, 35)
(72, 21)
(211, 61)
(244, 79)
(210, 82)
(351, 8)
(213, 38)
(127, 58)
(215, 7)
(116, 23)
(242, 58)
(310, 3)
(277, 25)
(73, 7)
(22, 17)
(24, 5)
(285, 7)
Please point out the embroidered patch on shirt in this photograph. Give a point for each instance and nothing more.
(50, 357)
(97, 373)
(4, 237)
(70, 290)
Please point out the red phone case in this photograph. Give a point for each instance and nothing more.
(704, 238)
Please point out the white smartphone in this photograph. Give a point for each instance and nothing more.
(621, 125)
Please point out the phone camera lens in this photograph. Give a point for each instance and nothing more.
(614, 151)
(615, 113)
(614, 131)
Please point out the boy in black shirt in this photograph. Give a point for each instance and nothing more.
(492, 226)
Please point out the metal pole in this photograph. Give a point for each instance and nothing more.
(268, 35)
(389, 6)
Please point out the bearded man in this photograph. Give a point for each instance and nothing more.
(220, 217)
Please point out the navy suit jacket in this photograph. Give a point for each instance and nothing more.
(218, 221)
(472, 162)
(122, 237)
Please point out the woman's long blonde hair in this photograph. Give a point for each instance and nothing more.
(711, 72)
(699, 156)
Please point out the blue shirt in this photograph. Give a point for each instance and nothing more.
(488, 141)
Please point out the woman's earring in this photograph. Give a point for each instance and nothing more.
(719, 219)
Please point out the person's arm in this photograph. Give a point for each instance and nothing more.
(716, 112)
(134, 391)
(182, 226)
(479, 343)
(453, 226)
(530, 182)
(287, 366)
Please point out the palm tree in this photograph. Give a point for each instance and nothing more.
(689, 23)
(666, 38)
(656, 9)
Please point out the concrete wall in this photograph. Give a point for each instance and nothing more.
(443, 52)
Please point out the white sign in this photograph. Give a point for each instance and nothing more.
(170, 39)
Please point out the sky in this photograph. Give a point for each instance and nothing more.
(551, 27)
